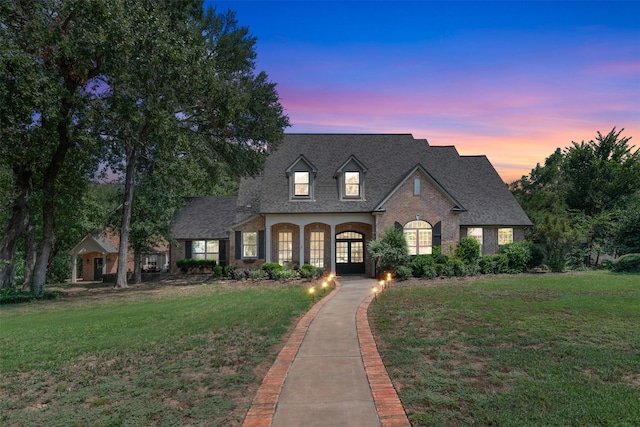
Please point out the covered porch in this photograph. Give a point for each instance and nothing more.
(99, 257)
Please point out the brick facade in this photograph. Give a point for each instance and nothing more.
(255, 224)
(111, 259)
(490, 238)
(430, 205)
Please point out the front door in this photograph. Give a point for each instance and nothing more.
(350, 253)
(97, 269)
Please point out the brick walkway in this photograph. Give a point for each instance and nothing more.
(387, 403)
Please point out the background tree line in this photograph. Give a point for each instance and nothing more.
(584, 201)
(162, 93)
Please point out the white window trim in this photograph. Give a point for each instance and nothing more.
(307, 196)
(245, 246)
(206, 253)
(282, 251)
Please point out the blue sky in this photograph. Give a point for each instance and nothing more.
(510, 79)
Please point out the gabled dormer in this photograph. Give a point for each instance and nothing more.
(301, 175)
(351, 179)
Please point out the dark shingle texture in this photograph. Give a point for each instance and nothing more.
(472, 180)
(106, 245)
(205, 218)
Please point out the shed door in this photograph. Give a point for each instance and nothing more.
(97, 269)
(350, 253)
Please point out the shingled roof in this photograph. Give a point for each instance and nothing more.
(205, 218)
(471, 180)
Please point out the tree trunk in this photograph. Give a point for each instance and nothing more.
(49, 192)
(130, 169)
(137, 267)
(16, 227)
(29, 255)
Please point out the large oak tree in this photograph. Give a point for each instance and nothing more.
(125, 82)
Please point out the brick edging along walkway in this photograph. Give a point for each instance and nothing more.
(388, 405)
(390, 410)
(263, 408)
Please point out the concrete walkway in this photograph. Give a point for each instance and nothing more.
(329, 373)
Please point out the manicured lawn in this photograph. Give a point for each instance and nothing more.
(525, 350)
(180, 355)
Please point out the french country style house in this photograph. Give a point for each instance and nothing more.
(322, 197)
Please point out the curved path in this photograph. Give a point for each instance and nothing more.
(330, 373)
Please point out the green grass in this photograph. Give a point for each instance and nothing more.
(525, 350)
(188, 355)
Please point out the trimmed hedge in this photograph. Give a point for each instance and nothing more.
(189, 265)
(16, 295)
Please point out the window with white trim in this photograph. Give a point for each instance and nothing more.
(505, 236)
(301, 182)
(317, 249)
(285, 247)
(205, 249)
(419, 237)
(352, 184)
(249, 244)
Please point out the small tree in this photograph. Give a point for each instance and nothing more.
(389, 250)
(557, 239)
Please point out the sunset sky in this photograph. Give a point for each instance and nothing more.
(510, 79)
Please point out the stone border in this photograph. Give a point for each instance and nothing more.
(263, 407)
(390, 410)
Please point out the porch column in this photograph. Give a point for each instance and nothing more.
(301, 248)
(332, 249)
(104, 264)
(74, 268)
(267, 244)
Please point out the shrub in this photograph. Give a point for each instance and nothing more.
(283, 274)
(188, 265)
(518, 255)
(537, 256)
(389, 250)
(468, 250)
(627, 263)
(438, 256)
(446, 269)
(423, 266)
(217, 270)
(403, 272)
(235, 273)
(307, 271)
(271, 268)
(459, 267)
(494, 264)
(257, 274)
(14, 295)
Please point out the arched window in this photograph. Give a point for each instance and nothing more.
(419, 236)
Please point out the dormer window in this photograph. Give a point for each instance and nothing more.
(352, 184)
(301, 175)
(301, 184)
(350, 178)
